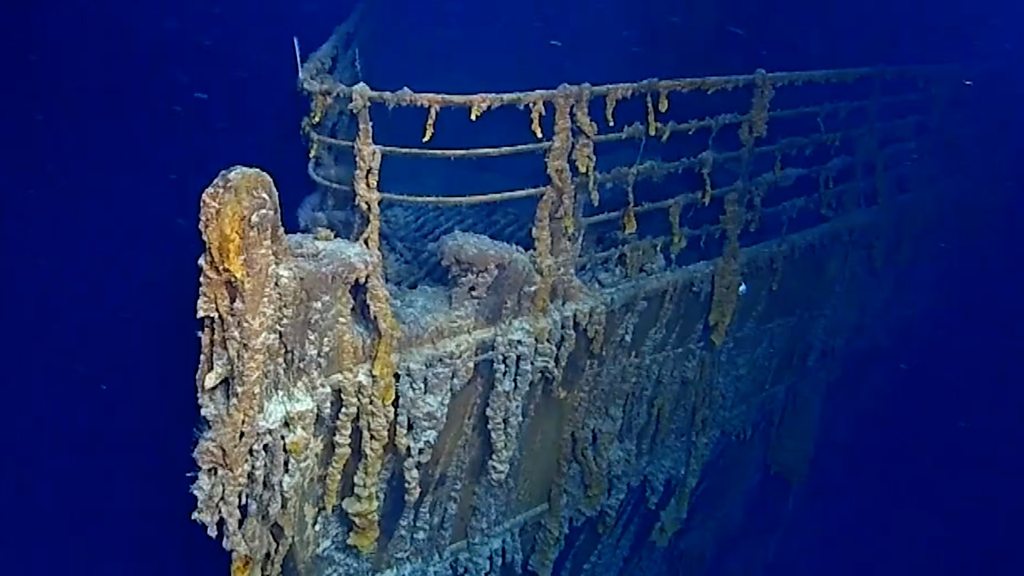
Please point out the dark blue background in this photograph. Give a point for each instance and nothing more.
(108, 149)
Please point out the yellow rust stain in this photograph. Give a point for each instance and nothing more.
(227, 246)
(241, 566)
(384, 365)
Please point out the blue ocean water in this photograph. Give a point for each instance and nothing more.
(122, 112)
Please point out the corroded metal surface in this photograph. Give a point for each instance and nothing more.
(585, 376)
(510, 428)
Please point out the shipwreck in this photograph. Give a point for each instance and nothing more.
(583, 374)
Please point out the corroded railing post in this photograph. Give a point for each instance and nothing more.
(376, 410)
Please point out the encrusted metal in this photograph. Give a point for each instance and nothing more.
(442, 377)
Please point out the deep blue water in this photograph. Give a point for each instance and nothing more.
(109, 147)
